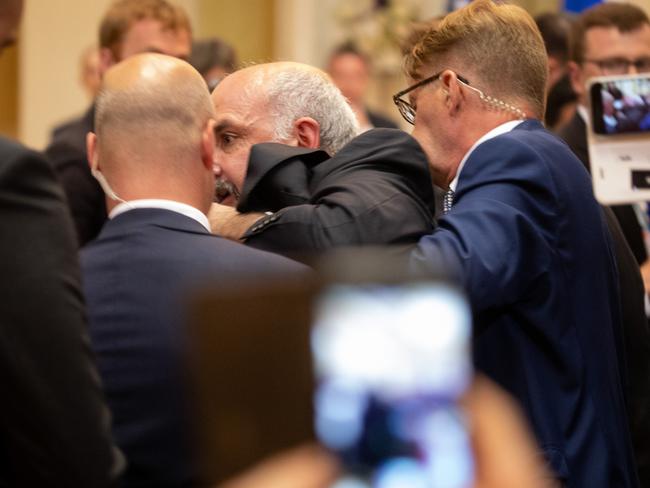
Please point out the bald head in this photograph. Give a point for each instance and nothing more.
(152, 107)
(289, 103)
(294, 90)
(10, 12)
(153, 115)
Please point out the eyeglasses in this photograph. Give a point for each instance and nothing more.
(620, 66)
(405, 108)
(408, 111)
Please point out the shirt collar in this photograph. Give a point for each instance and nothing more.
(178, 207)
(583, 112)
(497, 131)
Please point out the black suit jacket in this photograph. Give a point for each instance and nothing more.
(67, 152)
(630, 252)
(54, 423)
(380, 121)
(575, 135)
(137, 275)
(376, 190)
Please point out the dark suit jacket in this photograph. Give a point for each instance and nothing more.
(137, 274)
(636, 332)
(67, 152)
(54, 424)
(380, 121)
(376, 190)
(575, 135)
(530, 245)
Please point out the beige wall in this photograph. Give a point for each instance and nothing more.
(246, 24)
(9, 92)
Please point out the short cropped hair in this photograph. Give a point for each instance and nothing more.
(500, 43)
(122, 14)
(168, 112)
(213, 52)
(623, 16)
(296, 92)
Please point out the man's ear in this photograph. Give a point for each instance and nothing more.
(307, 132)
(106, 60)
(91, 149)
(577, 80)
(208, 145)
(452, 92)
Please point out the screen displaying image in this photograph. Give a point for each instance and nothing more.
(391, 362)
(621, 106)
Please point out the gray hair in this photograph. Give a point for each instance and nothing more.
(298, 91)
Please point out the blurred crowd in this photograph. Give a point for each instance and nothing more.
(189, 169)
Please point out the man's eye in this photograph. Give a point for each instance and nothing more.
(227, 139)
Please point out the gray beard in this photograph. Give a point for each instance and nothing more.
(224, 188)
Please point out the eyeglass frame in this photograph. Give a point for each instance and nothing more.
(628, 63)
(406, 110)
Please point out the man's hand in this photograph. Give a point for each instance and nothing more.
(303, 467)
(229, 223)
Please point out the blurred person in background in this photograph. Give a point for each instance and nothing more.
(614, 39)
(128, 27)
(318, 186)
(153, 152)
(525, 237)
(351, 71)
(54, 423)
(89, 71)
(214, 58)
(561, 102)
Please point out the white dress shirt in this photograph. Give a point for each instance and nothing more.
(178, 207)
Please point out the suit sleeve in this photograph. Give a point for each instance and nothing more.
(55, 425)
(490, 240)
(362, 207)
(377, 190)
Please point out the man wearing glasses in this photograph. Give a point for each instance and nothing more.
(609, 39)
(525, 237)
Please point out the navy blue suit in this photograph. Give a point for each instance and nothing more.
(530, 245)
(136, 277)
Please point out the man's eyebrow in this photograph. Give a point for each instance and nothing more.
(224, 125)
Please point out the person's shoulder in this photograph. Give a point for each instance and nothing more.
(10, 149)
(250, 258)
(68, 140)
(18, 159)
(379, 120)
(377, 144)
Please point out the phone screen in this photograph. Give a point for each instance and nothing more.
(621, 106)
(391, 362)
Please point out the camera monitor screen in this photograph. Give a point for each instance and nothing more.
(621, 105)
(391, 362)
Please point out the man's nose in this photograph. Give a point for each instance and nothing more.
(216, 168)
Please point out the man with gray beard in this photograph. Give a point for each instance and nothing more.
(293, 179)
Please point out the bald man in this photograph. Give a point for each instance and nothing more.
(128, 27)
(153, 154)
(318, 186)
